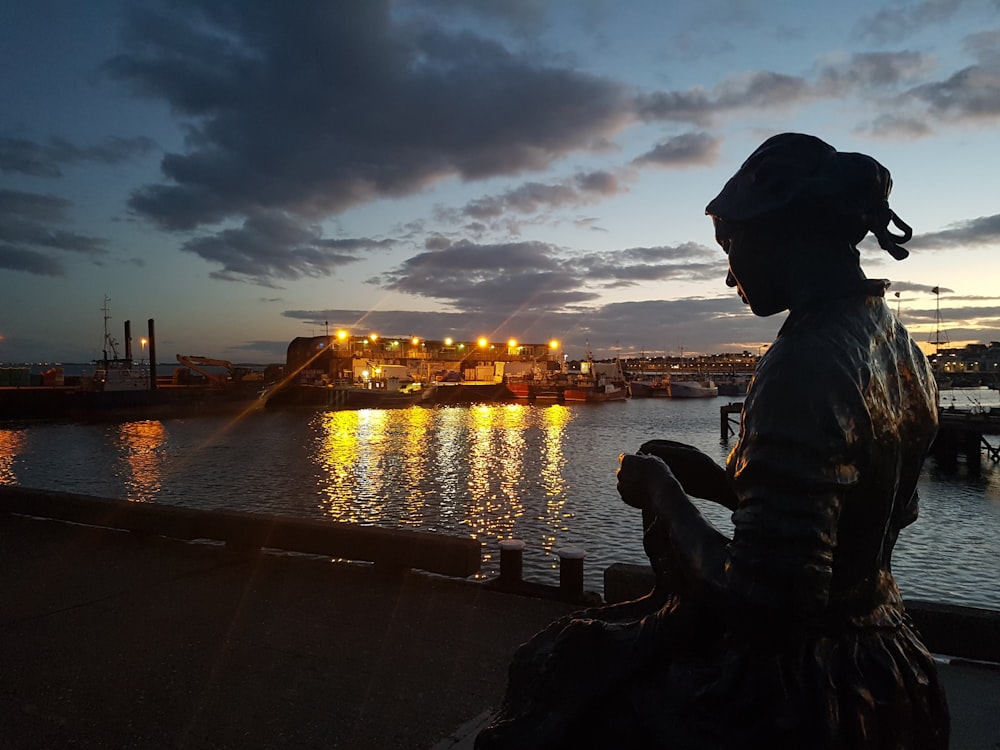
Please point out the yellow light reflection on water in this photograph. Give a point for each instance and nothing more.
(337, 454)
(369, 455)
(11, 444)
(480, 468)
(140, 445)
(554, 420)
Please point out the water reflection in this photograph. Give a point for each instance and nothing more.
(554, 421)
(541, 473)
(479, 468)
(337, 454)
(11, 444)
(141, 458)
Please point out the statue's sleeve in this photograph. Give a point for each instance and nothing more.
(801, 450)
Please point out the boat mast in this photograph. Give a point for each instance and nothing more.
(937, 341)
(109, 341)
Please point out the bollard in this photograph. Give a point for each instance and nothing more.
(571, 572)
(511, 561)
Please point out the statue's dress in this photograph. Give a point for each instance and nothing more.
(805, 644)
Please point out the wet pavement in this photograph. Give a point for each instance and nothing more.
(113, 639)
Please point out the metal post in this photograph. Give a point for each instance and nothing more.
(152, 355)
(571, 571)
(511, 561)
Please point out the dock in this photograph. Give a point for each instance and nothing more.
(115, 638)
(969, 434)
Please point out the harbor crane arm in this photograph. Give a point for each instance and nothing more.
(198, 364)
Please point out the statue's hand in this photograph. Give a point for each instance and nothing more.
(642, 479)
(697, 472)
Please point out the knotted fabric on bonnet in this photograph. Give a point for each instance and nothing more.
(801, 175)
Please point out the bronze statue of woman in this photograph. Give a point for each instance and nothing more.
(791, 634)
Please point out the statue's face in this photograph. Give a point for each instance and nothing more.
(757, 268)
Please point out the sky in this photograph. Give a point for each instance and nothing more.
(246, 171)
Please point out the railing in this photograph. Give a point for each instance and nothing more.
(242, 532)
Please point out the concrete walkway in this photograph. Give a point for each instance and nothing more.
(115, 640)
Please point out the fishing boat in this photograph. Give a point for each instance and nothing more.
(692, 388)
(640, 388)
(116, 373)
(597, 382)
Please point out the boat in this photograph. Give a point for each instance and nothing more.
(521, 389)
(595, 393)
(640, 388)
(597, 382)
(692, 388)
(733, 385)
(116, 373)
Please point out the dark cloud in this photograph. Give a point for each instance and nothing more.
(515, 277)
(972, 233)
(984, 46)
(896, 126)
(523, 16)
(896, 23)
(761, 89)
(502, 277)
(532, 197)
(872, 70)
(272, 245)
(22, 156)
(909, 286)
(693, 106)
(27, 234)
(658, 326)
(15, 258)
(971, 93)
(685, 150)
(758, 89)
(312, 108)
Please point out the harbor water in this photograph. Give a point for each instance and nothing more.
(541, 473)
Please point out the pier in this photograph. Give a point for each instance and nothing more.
(729, 424)
(968, 434)
(119, 639)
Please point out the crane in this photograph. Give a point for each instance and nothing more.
(235, 373)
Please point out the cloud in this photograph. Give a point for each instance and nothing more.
(872, 70)
(515, 277)
(984, 46)
(981, 232)
(685, 150)
(972, 93)
(522, 16)
(22, 156)
(311, 109)
(897, 23)
(896, 126)
(657, 326)
(272, 245)
(27, 236)
(532, 197)
(15, 258)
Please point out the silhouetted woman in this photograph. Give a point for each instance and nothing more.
(792, 634)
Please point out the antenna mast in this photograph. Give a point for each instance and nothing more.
(937, 340)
